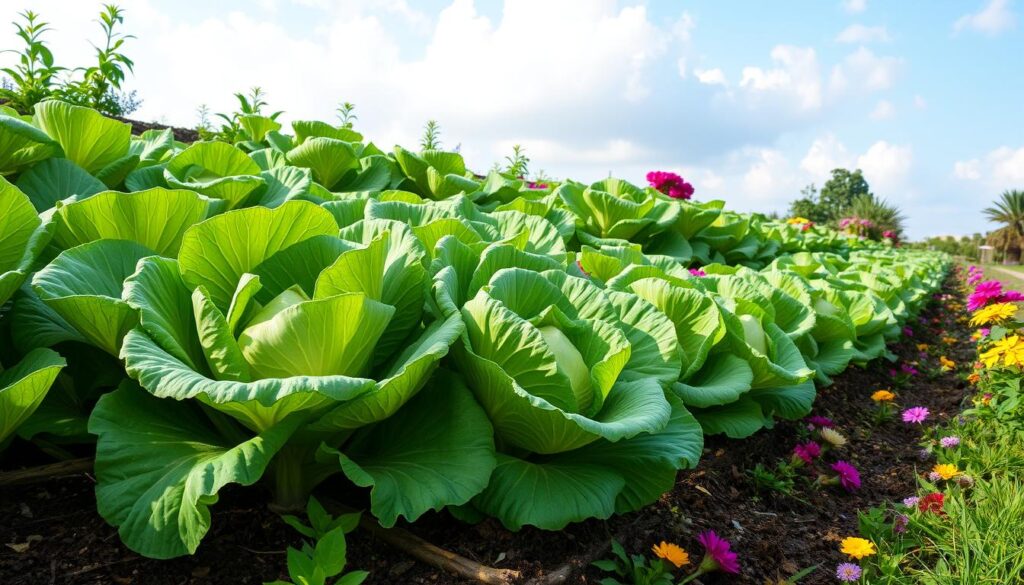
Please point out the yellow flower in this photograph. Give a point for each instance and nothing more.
(946, 471)
(947, 364)
(949, 340)
(832, 437)
(882, 396)
(994, 314)
(857, 548)
(1010, 350)
(797, 220)
(922, 347)
(672, 553)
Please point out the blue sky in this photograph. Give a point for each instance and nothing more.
(750, 101)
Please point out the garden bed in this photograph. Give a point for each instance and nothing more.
(774, 535)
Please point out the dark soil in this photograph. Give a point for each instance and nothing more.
(186, 135)
(775, 535)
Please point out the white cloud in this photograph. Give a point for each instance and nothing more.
(710, 76)
(884, 110)
(1001, 168)
(863, 71)
(858, 33)
(855, 6)
(920, 103)
(769, 179)
(681, 67)
(825, 154)
(683, 28)
(886, 167)
(969, 170)
(994, 18)
(797, 78)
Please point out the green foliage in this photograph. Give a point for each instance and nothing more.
(431, 139)
(633, 569)
(34, 76)
(1009, 211)
(324, 557)
(517, 165)
(847, 194)
(347, 114)
(100, 84)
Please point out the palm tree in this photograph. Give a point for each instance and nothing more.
(1009, 211)
(885, 215)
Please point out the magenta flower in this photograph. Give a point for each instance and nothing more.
(949, 442)
(848, 476)
(670, 184)
(698, 272)
(916, 415)
(717, 554)
(1010, 296)
(986, 291)
(808, 451)
(820, 421)
(984, 331)
(908, 369)
(908, 332)
(975, 277)
(848, 572)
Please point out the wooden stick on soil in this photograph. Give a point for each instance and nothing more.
(45, 472)
(430, 554)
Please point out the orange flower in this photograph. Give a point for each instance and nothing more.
(672, 553)
(882, 396)
(973, 378)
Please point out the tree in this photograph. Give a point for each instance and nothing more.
(839, 192)
(834, 200)
(1009, 211)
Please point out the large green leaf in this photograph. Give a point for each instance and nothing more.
(20, 238)
(329, 159)
(55, 179)
(84, 285)
(215, 169)
(334, 336)
(22, 144)
(156, 218)
(159, 466)
(23, 387)
(437, 451)
(89, 139)
(216, 252)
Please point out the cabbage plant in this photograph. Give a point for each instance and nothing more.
(571, 377)
(275, 345)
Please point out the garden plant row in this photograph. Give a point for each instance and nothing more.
(293, 307)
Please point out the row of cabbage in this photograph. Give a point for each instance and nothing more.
(223, 316)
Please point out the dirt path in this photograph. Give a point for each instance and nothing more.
(1017, 278)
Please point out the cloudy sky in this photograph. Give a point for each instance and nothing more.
(750, 102)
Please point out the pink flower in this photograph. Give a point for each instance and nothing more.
(848, 476)
(908, 369)
(949, 442)
(698, 272)
(848, 572)
(670, 184)
(717, 554)
(917, 415)
(808, 451)
(820, 421)
(911, 501)
(933, 476)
